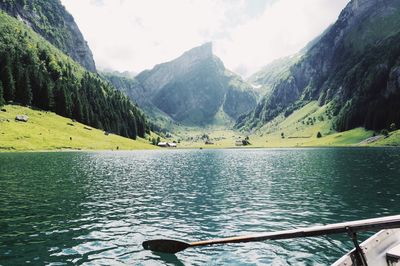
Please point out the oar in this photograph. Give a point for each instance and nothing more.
(174, 246)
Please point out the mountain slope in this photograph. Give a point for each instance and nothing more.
(266, 78)
(53, 22)
(35, 73)
(128, 85)
(135, 91)
(355, 66)
(191, 89)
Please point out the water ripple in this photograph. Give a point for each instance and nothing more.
(97, 208)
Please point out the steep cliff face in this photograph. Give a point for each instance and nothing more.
(192, 89)
(353, 65)
(51, 20)
(239, 98)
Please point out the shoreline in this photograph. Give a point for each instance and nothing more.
(49, 132)
(200, 148)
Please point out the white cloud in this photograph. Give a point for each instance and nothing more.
(135, 34)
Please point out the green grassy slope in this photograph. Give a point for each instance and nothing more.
(392, 140)
(301, 129)
(48, 131)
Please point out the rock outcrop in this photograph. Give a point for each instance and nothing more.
(22, 118)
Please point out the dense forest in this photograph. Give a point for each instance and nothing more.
(35, 73)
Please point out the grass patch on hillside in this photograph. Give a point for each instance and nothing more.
(301, 128)
(347, 138)
(192, 137)
(48, 131)
(392, 140)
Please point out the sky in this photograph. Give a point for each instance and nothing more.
(134, 35)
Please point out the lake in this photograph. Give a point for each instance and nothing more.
(98, 207)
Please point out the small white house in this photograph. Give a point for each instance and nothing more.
(166, 144)
(162, 144)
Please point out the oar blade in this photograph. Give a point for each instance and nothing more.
(165, 245)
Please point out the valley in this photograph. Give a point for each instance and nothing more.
(300, 129)
(342, 89)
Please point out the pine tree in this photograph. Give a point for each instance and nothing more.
(77, 112)
(60, 100)
(133, 128)
(2, 102)
(26, 90)
(36, 85)
(46, 95)
(19, 82)
(8, 83)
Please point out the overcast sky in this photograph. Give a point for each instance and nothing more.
(134, 35)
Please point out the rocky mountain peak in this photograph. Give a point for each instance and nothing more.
(195, 56)
(202, 52)
(164, 73)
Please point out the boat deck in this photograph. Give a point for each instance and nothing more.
(382, 249)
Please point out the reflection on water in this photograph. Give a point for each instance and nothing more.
(97, 208)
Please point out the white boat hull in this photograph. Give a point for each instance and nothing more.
(379, 250)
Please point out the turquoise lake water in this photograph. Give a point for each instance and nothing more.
(97, 208)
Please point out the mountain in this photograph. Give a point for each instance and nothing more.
(33, 72)
(194, 89)
(354, 67)
(53, 22)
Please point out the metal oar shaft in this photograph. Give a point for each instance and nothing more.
(376, 224)
(355, 226)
